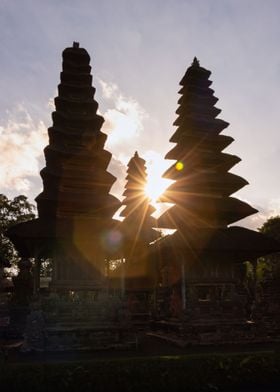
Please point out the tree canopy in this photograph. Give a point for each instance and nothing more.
(12, 211)
(272, 227)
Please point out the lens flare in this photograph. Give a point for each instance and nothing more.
(112, 240)
(179, 166)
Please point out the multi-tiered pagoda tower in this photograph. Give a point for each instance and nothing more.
(76, 183)
(203, 187)
(201, 263)
(75, 208)
(138, 223)
(137, 228)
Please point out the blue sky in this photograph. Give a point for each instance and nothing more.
(139, 52)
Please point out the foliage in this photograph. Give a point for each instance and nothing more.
(268, 265)
(200, 372)
(271, 227)
(271, 263)
(12, 211)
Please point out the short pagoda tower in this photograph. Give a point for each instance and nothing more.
(138, 230)
(138, 223)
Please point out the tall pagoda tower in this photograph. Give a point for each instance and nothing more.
(75, 208)
(201, 264)
(75, 179)
(138, 223)
(203, 183)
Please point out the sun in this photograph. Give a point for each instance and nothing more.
(154, 188)
(156, 185)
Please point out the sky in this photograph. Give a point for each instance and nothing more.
(139, 52)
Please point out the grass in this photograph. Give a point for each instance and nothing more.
(199, 372)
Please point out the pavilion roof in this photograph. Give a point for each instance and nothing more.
(234, 243)
(39, 237)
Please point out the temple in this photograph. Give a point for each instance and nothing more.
(113, 275)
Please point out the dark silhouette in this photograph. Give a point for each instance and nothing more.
(194, 276)
(203, 184)
(138, 223)
(75, 208)
(137, 227)
(203, 260)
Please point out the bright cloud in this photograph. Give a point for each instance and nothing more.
(274, 207)
(124, 124)
(123, 121)
(108, 89)
(22, 140)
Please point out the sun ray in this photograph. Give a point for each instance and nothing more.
(156, 185)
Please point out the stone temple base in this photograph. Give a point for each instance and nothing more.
(87, 321)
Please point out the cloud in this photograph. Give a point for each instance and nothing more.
(118, 169)
(123, 121)
(22, 140)
(267, 210)
(274, 206)
(50, 105)
(124, 118)
(108, 89)
(124, 124)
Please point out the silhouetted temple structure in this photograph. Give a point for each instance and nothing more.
(201, 264)
(137, 228)
(138, 223)
(75, 208)
(191, 282)
(201, 170)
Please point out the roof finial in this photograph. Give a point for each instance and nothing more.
(136, 154)
(195, 62)
(76, 44)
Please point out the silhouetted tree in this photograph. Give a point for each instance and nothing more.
(12, 211)
(256, 273)
(271, 228)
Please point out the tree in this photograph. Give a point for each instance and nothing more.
(256, 273)
(271, 263)
(272, 227)
(12, 211)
